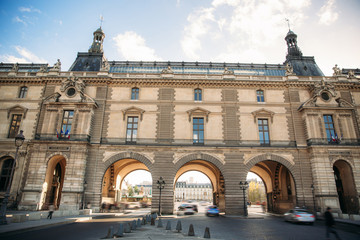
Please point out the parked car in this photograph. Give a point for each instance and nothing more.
(212, 210)
(298, 215)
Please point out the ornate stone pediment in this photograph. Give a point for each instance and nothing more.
(318, 88)
(344, 103)
(198, 111)
(56, 98)
(133, 110)
(52, 98)
(17, 109)
(313, 102)
(72, 81)
(263, 113)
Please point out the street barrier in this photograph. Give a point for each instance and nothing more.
(207, 233)
(178, 226)
(160, 223)
(139, 223)
(110, 233)
(191, 230)
(127, 228)
(168, 225)
(18, 218)
(120, 232)
(133, 225)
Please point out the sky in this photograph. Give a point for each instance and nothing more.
(245, 31)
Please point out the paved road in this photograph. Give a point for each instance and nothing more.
(220, 228)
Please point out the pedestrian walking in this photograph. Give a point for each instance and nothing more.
(51, 211)
(330, 222)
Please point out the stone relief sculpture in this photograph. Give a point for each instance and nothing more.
(337, 71)
(57, 66)
(228, 72)
(43, 69)
(289, 70)
(15, 67)
(351, 74)
(168, 70)
(73, 82)
(105, 66)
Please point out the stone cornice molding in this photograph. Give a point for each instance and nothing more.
(133, 110)
(263, 113)
(17, 109)
(198, 111)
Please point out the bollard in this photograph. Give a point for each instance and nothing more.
(168, 225)
(133, 225)
(178, 226)
(139, 223)
(120, 232)
(191, 230)
(160, 223)
(207, 233)
(152, 221)
(110, 232)
(148, 218)
(127, 228)
(143, 221)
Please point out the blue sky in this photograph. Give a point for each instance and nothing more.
(181, 30)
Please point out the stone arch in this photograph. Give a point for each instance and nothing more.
(270, 157)
(199, 156)
(137, 156)
(333, 161)
(50, 157)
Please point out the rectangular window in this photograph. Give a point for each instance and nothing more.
(14, 125)
(134, 94)
(329, 128)
(23, 91)
(264, 132)
(198, 95)
(260, 96)
(198, 130)
(131, 129)
(67, 122)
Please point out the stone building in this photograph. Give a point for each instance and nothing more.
(88, 127)
(193, 191)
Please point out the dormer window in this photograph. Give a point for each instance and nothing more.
(134, 93)
(198, 94)
(260, 96)
(23, 92)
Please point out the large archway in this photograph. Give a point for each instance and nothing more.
(213, 173)
(279, 185)
(345, 187)
(113, 178)
(54, 180)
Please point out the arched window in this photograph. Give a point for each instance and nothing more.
(23, 92)
(198, 94)
(260, 96)
(5, 174)
(134, 93)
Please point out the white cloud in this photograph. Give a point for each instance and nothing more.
(133, 47)
(327, 13)
(26, 57)
(19, 20)
(29, 9)
(239, 27)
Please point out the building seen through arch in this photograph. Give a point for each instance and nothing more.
(88, 127)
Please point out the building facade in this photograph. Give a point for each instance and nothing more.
(193, 191)
(88, 127)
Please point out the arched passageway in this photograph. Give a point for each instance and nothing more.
(112, 192)
(54, 180)
(213, 173)
(345, 187)
(279, 185)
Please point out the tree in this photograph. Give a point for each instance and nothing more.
(136, 190)
(130, 191)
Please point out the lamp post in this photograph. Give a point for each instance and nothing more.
(19, 140)
(313, 192)
(244, 186)
(83, 198)
(160, 186)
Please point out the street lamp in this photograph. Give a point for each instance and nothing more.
(160, 185)
(244, 186)
(313, 192)
(83, 198)
(19, 140)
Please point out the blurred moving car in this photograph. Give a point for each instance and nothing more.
(133, 205)
(189, 210)
(300, 216)
(212, 210)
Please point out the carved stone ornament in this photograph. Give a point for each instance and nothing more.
(53, 97)
(344, 103)
(289, 70)
(43, 69)
(263, 113)
(228, 72)
(318, 88)
(17, 109)
(57, 66)
(198, 111)
(73, 82)
(133, 110)
(351, 74)
(15, 67)
(337, 71)
(167, 70)
(105, 66)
